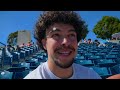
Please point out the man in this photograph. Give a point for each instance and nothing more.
(116, 76)
(58, 33)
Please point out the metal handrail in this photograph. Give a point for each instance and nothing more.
(2, 43)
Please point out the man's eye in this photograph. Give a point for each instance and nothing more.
(72, 35)
(55, 35)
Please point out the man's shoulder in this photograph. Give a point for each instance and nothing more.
(85, 72)
(79, 66)
(35, 74)
(82, 68)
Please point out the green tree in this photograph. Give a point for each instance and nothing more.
(12, 38)
(106, 27)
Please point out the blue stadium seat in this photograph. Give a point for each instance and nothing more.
(20, 75)
(94, 58)
(105, 63)
(6, 75)
(111, 57)
(26, 65)
(33, 63)
(104, 72)
(18, 72)
(86, 62)
(80, 57)
(115, 69)
(23, 64)
(16, 69)
(8, 60)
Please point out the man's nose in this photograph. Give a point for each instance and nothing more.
(66, 41)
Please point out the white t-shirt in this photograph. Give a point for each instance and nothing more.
(79, 72)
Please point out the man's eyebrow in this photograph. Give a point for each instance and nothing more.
(58, 30)
(72, 30)
(52, 31)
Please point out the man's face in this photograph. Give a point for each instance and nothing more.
(61, 44)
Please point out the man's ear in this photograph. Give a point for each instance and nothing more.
(44, 43)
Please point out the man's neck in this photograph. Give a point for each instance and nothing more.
(60, 72)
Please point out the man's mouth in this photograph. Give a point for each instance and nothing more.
(65, 53)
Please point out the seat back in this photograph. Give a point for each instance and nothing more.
(115, 69)
(6, 75)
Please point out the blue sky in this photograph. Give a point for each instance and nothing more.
(11, 21)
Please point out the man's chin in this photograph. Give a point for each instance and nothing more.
(64, 63)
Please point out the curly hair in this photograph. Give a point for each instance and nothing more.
(48, 18)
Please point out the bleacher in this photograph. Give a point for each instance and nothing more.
(105, 60)
(22, 62)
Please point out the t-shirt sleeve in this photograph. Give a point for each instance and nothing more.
(94, 75)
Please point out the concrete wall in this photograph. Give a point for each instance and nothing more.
(23, 37)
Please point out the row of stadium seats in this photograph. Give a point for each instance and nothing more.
(105, 60)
